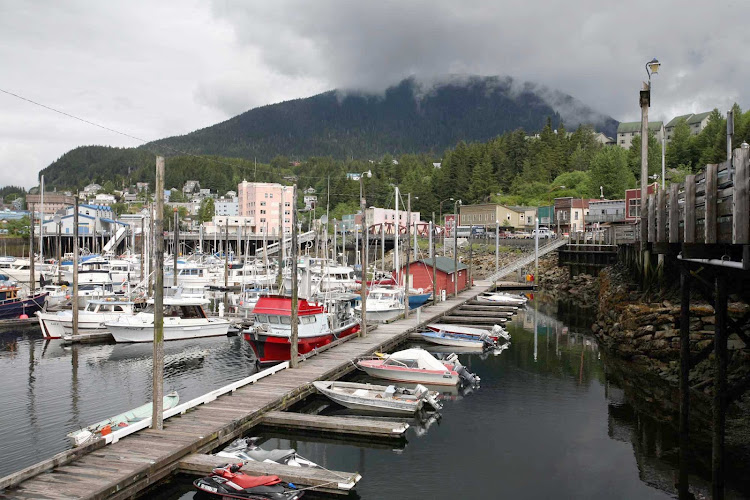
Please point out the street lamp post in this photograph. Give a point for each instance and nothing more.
(652, 67)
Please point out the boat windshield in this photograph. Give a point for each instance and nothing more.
(90, 307)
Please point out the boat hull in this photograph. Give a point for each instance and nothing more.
(145, 333)
(409, 375)
(382, 405)
(462, 330)
(13, 309)
(453, 341)
(50, 324)
(276, 349)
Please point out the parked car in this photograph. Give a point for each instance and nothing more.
(544, 233)
(522, 235)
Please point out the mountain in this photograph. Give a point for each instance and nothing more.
(411, 117)
(407, 118)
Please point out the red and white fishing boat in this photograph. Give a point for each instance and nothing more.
(272, 329)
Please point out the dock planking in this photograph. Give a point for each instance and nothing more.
(146, 457)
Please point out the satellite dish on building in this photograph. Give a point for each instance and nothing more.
(324, 219)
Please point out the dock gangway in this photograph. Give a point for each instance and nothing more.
(526, 260)
(273, 248)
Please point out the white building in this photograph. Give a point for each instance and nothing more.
(225, 206)
(105, 199)
(696, 122)
(377, 216)
(626, 131)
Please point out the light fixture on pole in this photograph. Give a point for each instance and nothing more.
(652, 68)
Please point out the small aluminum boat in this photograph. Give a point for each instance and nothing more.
(99, 429)
(477, 343)
(496, 333)
(378, 398)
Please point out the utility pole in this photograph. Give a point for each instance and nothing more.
(455, 248)
(75, 266)
(143, 246)
(176, 244)
(59, 249)
(363, 288)
(226, 262)
(293, 341)
(408, 255)
(157, 413)
(434, 260)
(497, 247)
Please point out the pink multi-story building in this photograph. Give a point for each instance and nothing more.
(263, 201)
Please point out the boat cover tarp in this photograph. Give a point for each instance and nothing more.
(423, 358)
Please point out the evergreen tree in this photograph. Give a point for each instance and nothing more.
(610, 171)
(483, 183)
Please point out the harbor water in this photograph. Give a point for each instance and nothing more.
(551, 419)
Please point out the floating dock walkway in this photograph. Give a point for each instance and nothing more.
(133, 463)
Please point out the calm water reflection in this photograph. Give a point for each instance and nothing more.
(49, 390)
(549, 421)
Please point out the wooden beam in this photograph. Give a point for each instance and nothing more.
(661, 216)
(741, 202)
(338, 425)
(710, 220)
(674, 213)
(689, 236)
(652, 218)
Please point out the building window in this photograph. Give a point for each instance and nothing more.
(266, 195)
(286, 221)
(263, 212)
(263, 220)
(622, 142)
(271, 196)
(287, 204)
(262, 203)
(634, 207)
(287, 212)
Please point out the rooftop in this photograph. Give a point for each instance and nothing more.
(626, 127)
(443, 264)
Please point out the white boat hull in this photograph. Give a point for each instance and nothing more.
(382, 315)
(411, 376)
(477, 345)
(145, 333)
(51, 325)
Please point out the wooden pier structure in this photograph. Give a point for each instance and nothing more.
(131, 464)
(699, 229)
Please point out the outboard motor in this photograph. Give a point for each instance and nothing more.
(488, 342)
(500, 332)
(465, 375)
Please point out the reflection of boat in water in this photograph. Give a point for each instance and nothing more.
(441, 350)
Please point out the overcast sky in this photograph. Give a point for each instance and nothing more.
(155, 69)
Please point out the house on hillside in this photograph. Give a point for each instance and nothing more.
(696, 122)
(626, 131)
(420, 275)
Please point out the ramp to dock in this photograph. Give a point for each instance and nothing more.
(322, 479)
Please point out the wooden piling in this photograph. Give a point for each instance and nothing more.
(741, 198)
(175, 245)
(720, 387)
(689, 236)
(710, 221)
(408, 255)
(158, 351)
(294, 336)
(683, 486)
(674, 213)
(75, 266)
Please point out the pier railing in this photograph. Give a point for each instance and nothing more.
(709, 208)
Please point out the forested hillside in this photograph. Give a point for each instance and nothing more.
(406, 119)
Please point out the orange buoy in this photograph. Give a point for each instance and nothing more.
(24, 316)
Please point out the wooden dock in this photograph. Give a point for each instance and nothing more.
(125, 468)
(324, 480)
(335, 425)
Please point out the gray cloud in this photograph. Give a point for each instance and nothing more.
(159, 69)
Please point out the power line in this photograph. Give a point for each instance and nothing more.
(144, 141)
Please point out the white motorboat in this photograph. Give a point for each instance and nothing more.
(96, 313)
(503, 299)
(51, 325)
(57, 295)
(247, 450)
(383, 304)
(379, 398)
(184, 318)
(496, 333)
(415, 366)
